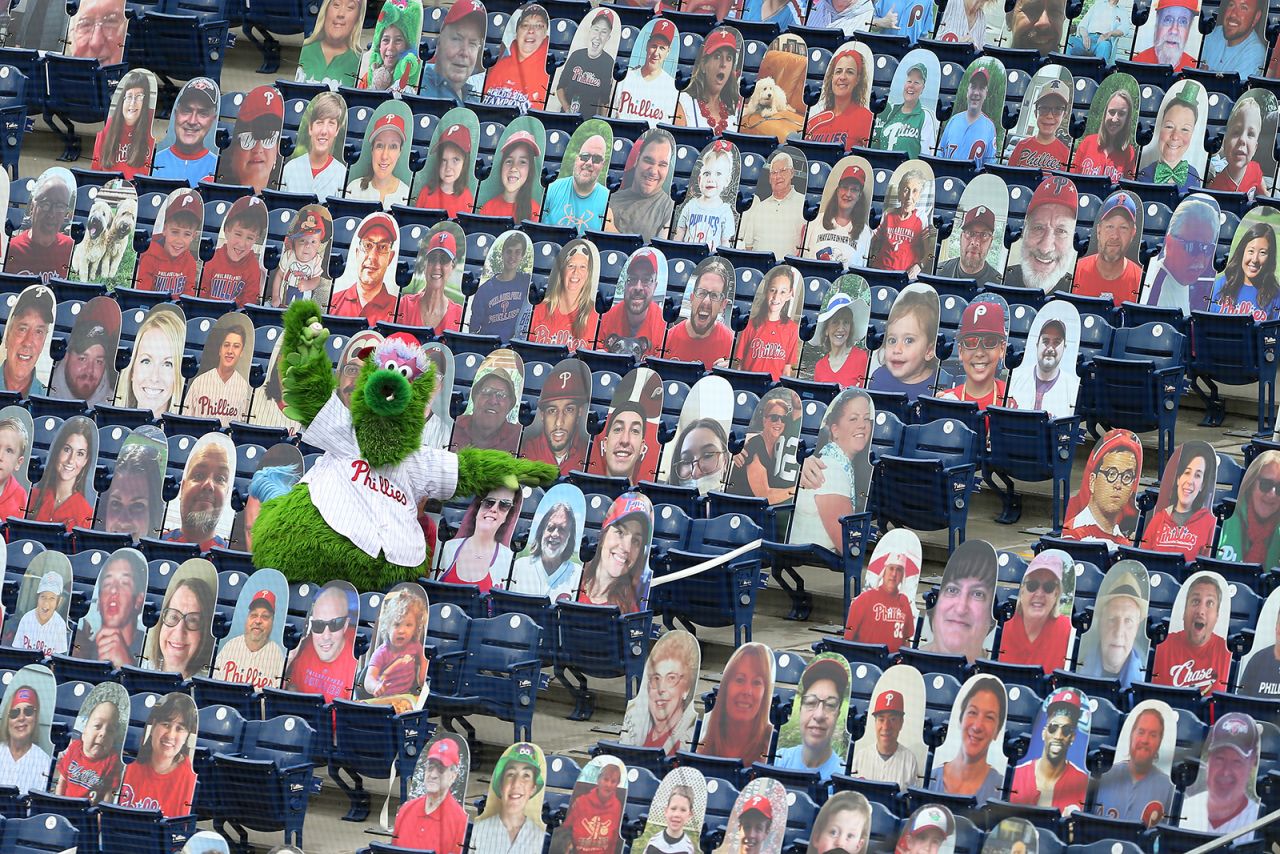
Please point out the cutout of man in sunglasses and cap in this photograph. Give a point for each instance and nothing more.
(1051, 779)
(255, 141)
(982, 342)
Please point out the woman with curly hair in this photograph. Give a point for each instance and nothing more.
(842, 115)
(662, 713)
(60, 495)
(712, 100)
(738, 726)
(1248, 285)
(567, 314)
(126, 144)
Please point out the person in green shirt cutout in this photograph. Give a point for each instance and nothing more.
(332, 51)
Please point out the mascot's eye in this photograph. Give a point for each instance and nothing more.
(389, 365)
(405, 371)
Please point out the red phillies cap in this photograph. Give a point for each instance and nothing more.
(445, 751)
(1192, 5)
(982, 318)
(264, 596)
(186, 201)
(445, 242)
(458, 135)
(854, 173)
(564, 384)
(980, 72)
(662, 28)
(1055, 190)
(890, 701)
(525, 137)
(378, 221)
(390, 121)
(646, 255)
(462, 8)
(25, 695)
(722, 37)
(760, 804)
(262, 101)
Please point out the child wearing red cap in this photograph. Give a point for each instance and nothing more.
(585, 82)
(169, 265)
(982, 341)
(302, 271)
(446, 183)
(235, 271)
(520, 79)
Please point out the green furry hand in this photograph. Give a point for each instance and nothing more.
(306, 375)
(482, 471)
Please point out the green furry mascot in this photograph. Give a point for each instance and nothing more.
(355, 513)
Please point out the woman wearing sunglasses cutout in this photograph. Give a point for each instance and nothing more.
(481, 550)
(1251, 534)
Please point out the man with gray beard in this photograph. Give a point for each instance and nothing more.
(1048, 254)
(549, 569)
(205, 493)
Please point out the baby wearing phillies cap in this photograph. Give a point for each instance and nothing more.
(303, 265)
(169, 265)
(44, 628)
(981, 341)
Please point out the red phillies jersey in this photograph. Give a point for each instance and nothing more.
(876, 617)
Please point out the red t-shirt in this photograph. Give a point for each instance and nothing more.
(1089, 282)
(309, 675)
(442, 830)
(511, 79)
(346, 303)
(682, 347)
(1190, 540)
(997, 394)
(497, 207)
(1068, 791)
(876, 617)
(650, 333)
(1090, 159)
(86, 778)
(548, 328)
(1032, 152)
(852, 374)
(1251, 180)
(1049, 651)
(450, 203)
(13, 499)
(411, 313)
(851, 127)
(25, 257)
(240, 281)
(159, 272)
(1181, 665)
(170, 793)
(593, 826)
(768, 348)
(898, 249)
(1149, 56)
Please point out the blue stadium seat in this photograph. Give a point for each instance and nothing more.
(499, 674)
(42, 832)
(266, 785)
(184, 39)
(928, 485)
(373, 741)
(79, 90)
(1032, 447)
(601, 642)
(1233, 349)
(133, 831)
(562, 774)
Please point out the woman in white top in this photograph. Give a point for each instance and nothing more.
(964, 21)
(845, 435)
(478, 554)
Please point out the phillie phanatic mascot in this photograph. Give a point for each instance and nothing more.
(354, 515)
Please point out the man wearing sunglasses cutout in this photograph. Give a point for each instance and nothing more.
(24, 763)
(579, 199)
(981, 343)
(255, 141)
(324, 662)
(1051, 779)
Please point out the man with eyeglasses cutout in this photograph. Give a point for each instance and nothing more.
(1181, 275)
(1045, 150)
(824, 688)
(324, 663)
(255, 141)
(43, 249)
(635, 324)
(982, 342)
(1196, 656)
(487, 423)
(1174, 20)
(562, 439)
(578, 199)
(977, 231)
(371, 258)
(194, 115)
(1051, 779)
(98, 31)
(1104, 509)
(704, 337)
(884, 757)
(550, 569)
(776, 222)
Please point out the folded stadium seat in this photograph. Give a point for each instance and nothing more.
(498, 674)
(79, 90)
(725, 769)
(82, 815)
(960, 805)
(372, 741)
(311, 708)
(266, 19)
(653, 759)
(40, 832)
(243, 698)
(52, 535)
(135, 831)
(562, 774)
(67, 668)
(221, 728)
(600, 642)
(802, 813)
(1188, 698)
(927, 486)
(1233, 350)
(1044, 819)
(266, 784)
(20, 552)
(14, 105)
(142, 680)
(642, 786)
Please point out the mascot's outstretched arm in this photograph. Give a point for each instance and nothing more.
(307, 378)
(481, 471)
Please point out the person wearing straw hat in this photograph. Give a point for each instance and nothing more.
(1175, 131)
(43, 628)
(1174, 20)
(843, 361)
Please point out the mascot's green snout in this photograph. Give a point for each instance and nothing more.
(354, 515)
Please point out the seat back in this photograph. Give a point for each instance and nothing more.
(946, 440)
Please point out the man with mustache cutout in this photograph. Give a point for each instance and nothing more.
(885, 758)
(1052, 779)
(1136, 790)
(493, 396)
(435, 821)
(1174, 20)
(1195, 657)
(562, 407)
(374, 252)
(550, 569)
(122, 590)
(1048, 253)
(824, 687)
(1037, 24)
(977, 230)
(1227, 802)
(204, 496)
(252, 657)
